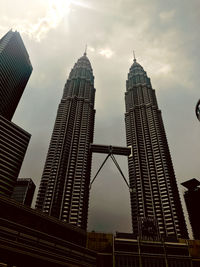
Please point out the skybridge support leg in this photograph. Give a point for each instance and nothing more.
(116, 164)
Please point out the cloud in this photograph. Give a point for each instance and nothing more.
(82, 4)
(167, 15)
(165, 69)
(91, 49)
(54, 15)
(55, 12)
(108, 53)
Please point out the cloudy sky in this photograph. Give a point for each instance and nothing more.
(165, 37)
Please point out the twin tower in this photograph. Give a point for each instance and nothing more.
(64, 188)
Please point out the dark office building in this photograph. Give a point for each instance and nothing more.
(13, 144)
(192, 200)
(155, 201)
(64, 188)
(24, 191)
(15, 70)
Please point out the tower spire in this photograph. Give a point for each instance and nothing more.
(134, 59)
(85, 53)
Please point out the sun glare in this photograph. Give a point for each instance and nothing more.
(81, 4)
(54, 12)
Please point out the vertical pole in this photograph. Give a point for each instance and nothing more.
(113, 251)
(165, 254)
(139, 252)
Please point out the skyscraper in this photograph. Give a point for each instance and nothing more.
(13, 145)
(154, 195)
(24, 191)
(64, 188)
(192, 200)
(15, 70)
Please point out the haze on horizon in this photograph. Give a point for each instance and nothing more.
(164, 37)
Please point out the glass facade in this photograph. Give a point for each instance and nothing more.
(15, 70)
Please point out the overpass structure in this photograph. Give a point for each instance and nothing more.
(30, 238)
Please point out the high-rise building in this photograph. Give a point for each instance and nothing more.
(15, 70)
(155, 201)
(64, 188)
(13, 145)
(192, 200)
(24, 191)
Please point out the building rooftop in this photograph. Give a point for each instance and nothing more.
(191, 184)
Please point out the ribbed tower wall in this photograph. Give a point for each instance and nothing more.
(154, 189)
(64, 188)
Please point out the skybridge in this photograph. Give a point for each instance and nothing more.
(111, 151)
